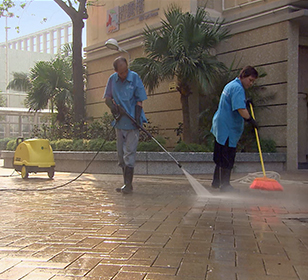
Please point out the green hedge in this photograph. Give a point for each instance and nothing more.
(183, 147)
(267, 146)
(3, 143)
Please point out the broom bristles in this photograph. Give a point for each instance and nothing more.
(266, 184)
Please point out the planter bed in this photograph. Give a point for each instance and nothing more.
(155, 163)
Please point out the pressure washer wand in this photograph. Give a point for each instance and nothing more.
(149, 134)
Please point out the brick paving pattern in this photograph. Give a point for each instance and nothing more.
(163, 231)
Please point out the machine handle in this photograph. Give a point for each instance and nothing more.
(19, 140)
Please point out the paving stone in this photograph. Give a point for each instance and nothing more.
(188, 269)
(163, 231)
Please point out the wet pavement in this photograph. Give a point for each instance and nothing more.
(163, 231)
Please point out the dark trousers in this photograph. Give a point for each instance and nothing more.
(223, 157)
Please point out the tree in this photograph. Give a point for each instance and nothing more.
(20, 82)
(182, 47)
(77, 16)
(49, 81)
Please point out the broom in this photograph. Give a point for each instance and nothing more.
(263, 183)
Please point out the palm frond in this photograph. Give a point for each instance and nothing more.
(20, 82)
(149, 71)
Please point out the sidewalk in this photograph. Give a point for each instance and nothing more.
(163, 231)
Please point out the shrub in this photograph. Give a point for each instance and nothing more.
(53, 144)
(11, 145)
(101, 145)
(183, 147)
(3, 143)
(151, 146)
(64, 144)
(80, 145)
(110, 146)
(268, 146)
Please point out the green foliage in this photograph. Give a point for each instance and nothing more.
(182, 49)
(3, 143)
(5, 6)
(2, 100)
(193, 147)
(267, 146)
(64, 145)
(49, 82)
(152, 129)
(83, 145)
(20, 82)
(102, 145)
(250, 145)
(151, 146)
(100, 128)
(80, 145)
(11, 145)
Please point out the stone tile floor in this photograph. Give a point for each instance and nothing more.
(85, 230)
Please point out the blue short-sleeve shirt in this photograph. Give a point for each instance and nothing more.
(126, 94)
(227, 121)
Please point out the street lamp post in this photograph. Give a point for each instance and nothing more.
(112, 44)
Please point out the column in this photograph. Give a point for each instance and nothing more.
(19, 45)
(292, 96)
(51, 43)
(38, 43)
(20, 125)
(25, 47)
(58, 39)
(44, 42)
(31, 44)
(66, 34)
(35, 118)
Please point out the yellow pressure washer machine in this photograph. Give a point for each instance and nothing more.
(34, 155)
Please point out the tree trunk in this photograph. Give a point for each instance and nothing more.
(78, 86)
(77, 18)
(186, 121)
(194, 112)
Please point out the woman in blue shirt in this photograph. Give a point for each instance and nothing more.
(228, 126)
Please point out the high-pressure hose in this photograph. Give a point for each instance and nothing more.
(62, 185)
(123, 112)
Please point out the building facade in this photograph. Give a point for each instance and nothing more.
(271, 35)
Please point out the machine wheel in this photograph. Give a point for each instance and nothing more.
(51, 172)
(24, 172)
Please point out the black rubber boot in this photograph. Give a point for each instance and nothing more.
(216, 177)
(128, 180)
(225, 181)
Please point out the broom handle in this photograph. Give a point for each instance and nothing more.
(258, 142)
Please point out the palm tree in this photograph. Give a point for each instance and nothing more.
(48, 81)
(183, 48)
(51, 81)
(20, 82)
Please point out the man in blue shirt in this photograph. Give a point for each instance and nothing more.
(125, 90)
(228, 126)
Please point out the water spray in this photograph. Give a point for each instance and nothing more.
(199, 189)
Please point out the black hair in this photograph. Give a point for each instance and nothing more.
(248, 71)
